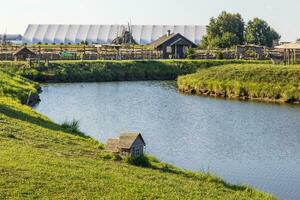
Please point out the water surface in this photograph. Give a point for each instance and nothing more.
(244, 142)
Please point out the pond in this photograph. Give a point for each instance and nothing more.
(249, 143)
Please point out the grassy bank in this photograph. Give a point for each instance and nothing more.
(96, 71)
(264, 82)
(43, 160)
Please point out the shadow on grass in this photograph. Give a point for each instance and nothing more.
(151, 162)
(17, 114)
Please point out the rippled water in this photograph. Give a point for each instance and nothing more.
(243, 142)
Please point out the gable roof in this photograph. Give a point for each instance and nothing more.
(166, 38)
(162, 40)
(23, 50)
(127, 139)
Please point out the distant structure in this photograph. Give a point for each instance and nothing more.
(105, 34)
(125, 38)
(173, 46)
(128, 144)
(10, 39)
(23, 54)
(290, 52)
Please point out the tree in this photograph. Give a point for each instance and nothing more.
(259, 32)
(224, 31)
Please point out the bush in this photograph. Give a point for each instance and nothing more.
(142, 161)
(191, 53)
(219, 55)
(72, 126)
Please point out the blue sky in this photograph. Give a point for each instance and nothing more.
(284, 16)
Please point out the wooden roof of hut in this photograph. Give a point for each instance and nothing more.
(125, 141)
(112, 145)
(22, 51)
(160, 41)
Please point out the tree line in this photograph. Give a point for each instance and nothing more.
(229, 29)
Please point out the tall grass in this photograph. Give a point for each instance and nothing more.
(72, 126)
(18, 87)
(246, 81)
(95, 71)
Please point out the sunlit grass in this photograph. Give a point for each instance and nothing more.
(254, 81)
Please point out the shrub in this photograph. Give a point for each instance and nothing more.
(191, 53)
(142, 161)
(72, 126)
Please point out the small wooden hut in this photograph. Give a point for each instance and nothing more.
(173, 46)
(23, 54)
(128, 144)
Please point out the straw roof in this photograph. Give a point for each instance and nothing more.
(127, 139)
(289, 46)
(112, 145)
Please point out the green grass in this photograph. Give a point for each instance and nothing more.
(95, 71)
(266, 82)
(42, 160)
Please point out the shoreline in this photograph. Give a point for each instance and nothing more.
(202, 93)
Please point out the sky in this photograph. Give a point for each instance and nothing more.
(15, 15)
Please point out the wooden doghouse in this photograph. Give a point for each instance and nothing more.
(128, 144)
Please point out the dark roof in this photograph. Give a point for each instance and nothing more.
(157, 43)
(162, 40)
(127, 139)
(23, 50)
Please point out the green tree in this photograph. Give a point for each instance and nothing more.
(259, 32)
(224, 31)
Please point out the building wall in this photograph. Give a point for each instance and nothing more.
(138, 144)
(104, 34)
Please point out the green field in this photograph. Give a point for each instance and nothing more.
(276, 83)
(41, 160)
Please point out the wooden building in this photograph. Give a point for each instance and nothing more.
(173, 46)
(290, 51)
(23, 54)
(128, 144)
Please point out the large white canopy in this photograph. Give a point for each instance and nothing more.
(104, 34)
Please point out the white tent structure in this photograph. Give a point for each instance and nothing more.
(104, 34)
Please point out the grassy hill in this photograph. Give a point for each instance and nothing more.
(40, 159)
(265, 82)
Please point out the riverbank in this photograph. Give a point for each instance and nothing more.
(100, 71)
(262, 82)
(40, 159)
